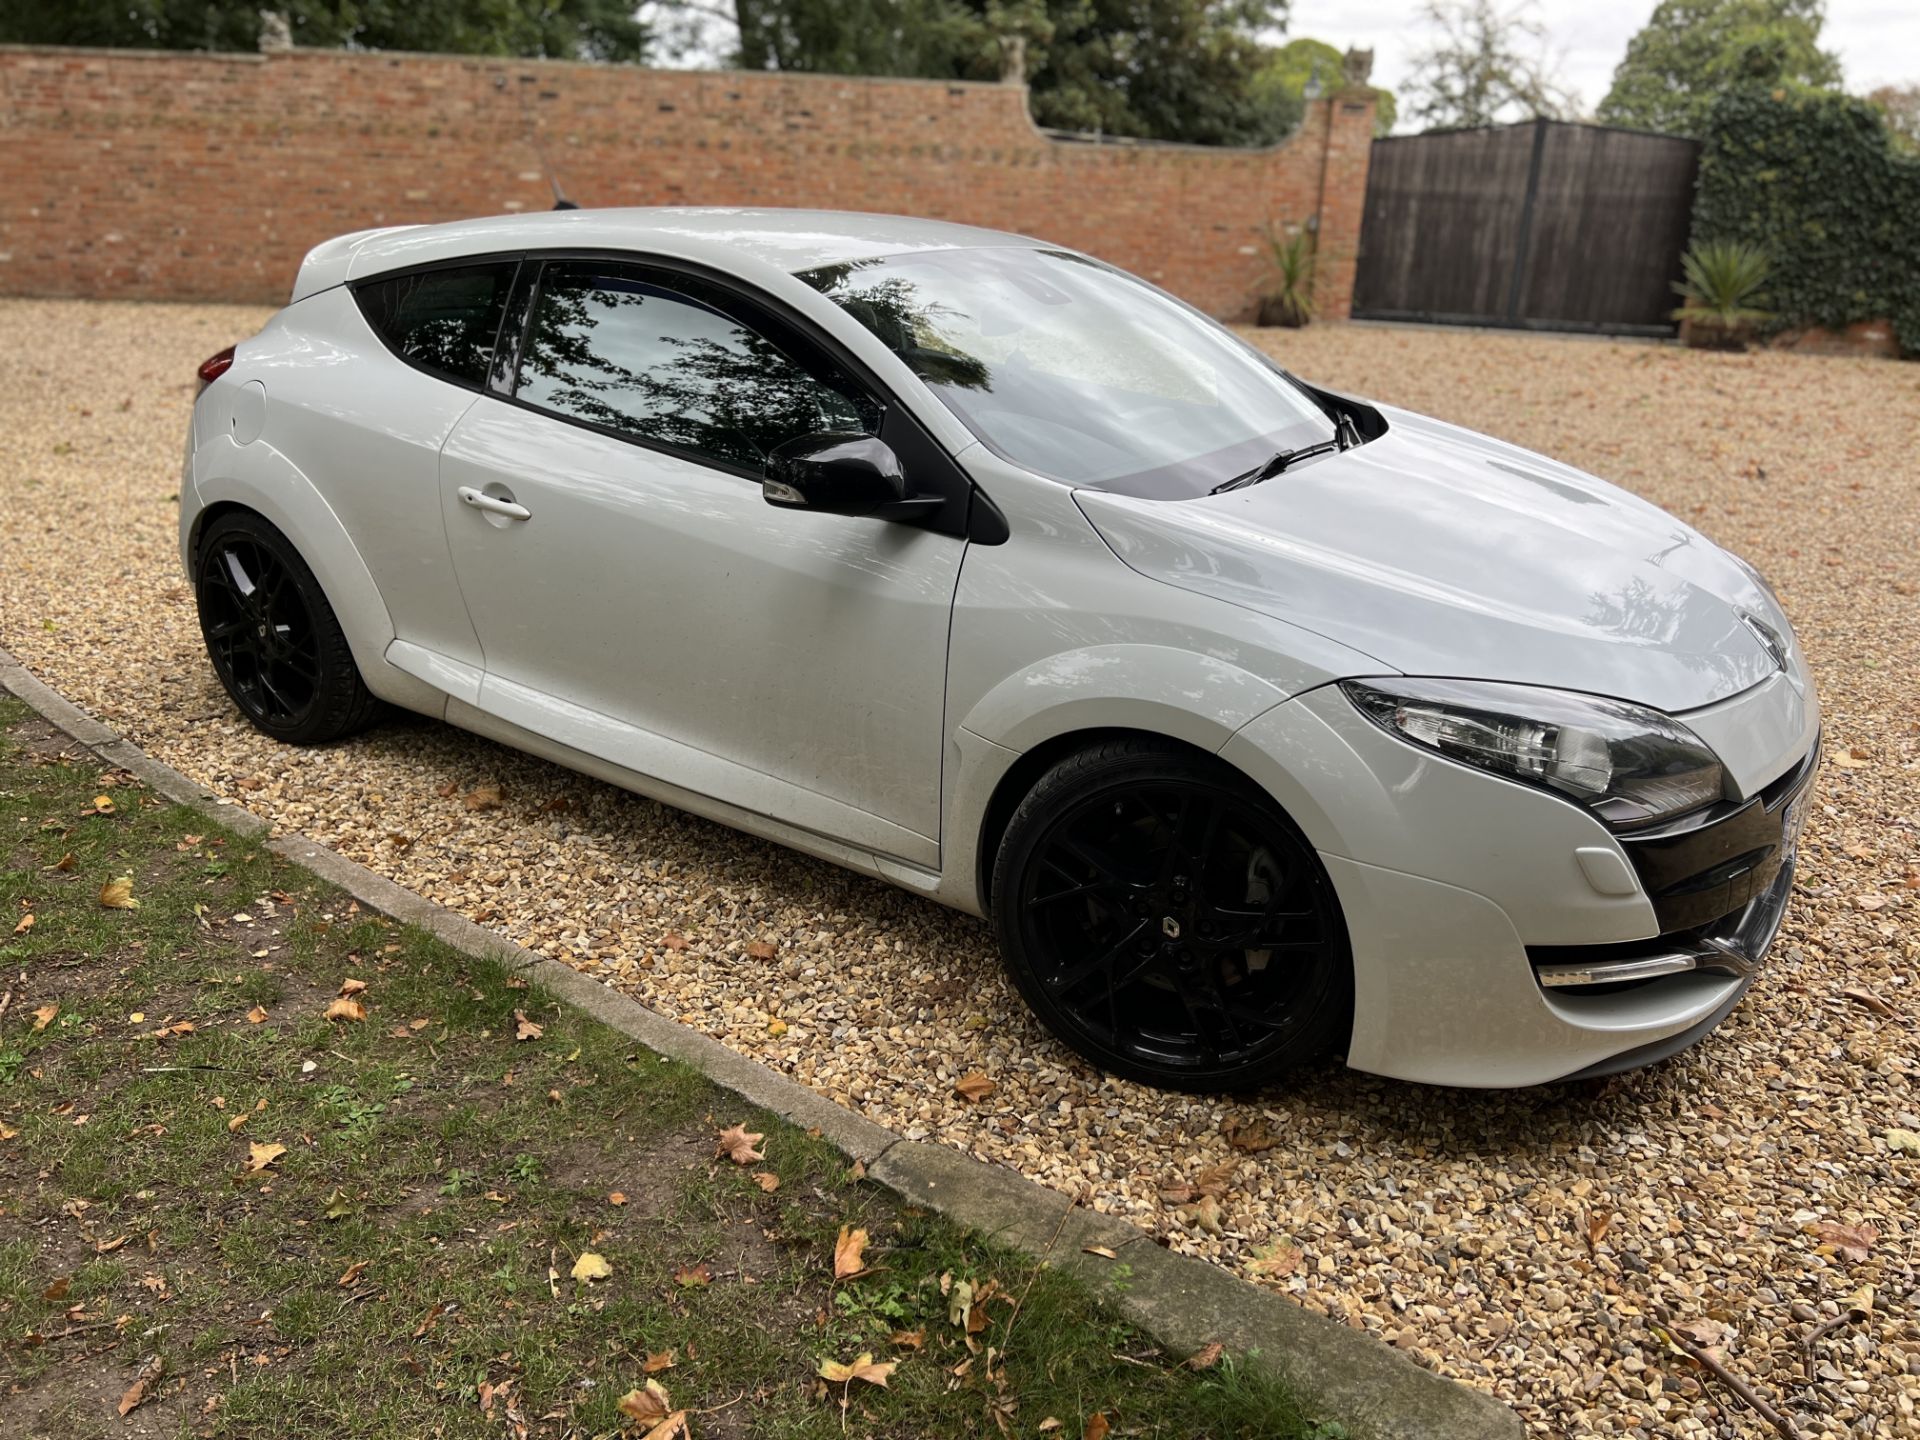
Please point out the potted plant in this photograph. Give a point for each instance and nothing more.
(1721, 289)
(1288, 298)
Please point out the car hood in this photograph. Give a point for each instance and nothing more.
(1441, 552)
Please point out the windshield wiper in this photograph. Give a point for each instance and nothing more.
(1346, 435)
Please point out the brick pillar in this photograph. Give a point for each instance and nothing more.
(1347, 145)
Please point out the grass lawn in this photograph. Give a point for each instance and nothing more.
(229, 1213)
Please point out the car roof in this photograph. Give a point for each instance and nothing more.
(792, 240)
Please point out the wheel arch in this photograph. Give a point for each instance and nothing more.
(261, 481)
(1024, 773)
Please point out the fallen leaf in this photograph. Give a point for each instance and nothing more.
(1215, 1180)
(776, 1027)
(26, 924)
(973, 1088)
(761, 950)
(8, 1134)
(143, 1382)
(1097, 1428)
(259, 1157)
(483, 797)
(648, 1405)
(43, 1017)
(525, 1029)
(960, 1303)
(1202, 1214)
(418, 1025)
(675, 940)
(864, 1368)
(590, 1267)
(1249, 1139)
(674, 1427)
(353, 1273)
(57, 1291)
(345, 1009)
(1866, 997)
(849, 1252)
(693, 1277)
(1101, 1250)
(1849, 759)
(766, 1180)
(1049, 1425)
(1854, 1242)
(736, 1143)
(351, 986)
(1860, 1303)
(65, 863)
(102, 805)
(256, 1016)
(1206, 1357)
(617, 1198)
(1705, 1333)
(1598, 1222)
(234, 1122)
(118, 894)
(1277, 1261)
(656, 1363)
(908, 1339)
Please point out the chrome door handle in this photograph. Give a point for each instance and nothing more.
(493, 504)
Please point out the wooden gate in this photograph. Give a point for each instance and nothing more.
(1542, 225)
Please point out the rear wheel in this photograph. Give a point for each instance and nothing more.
(1169, 922)
(272, 636)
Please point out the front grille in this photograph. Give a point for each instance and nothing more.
(1711, 865)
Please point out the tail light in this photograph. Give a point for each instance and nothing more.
(214, 366)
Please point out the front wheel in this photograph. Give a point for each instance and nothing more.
(1169, 922)
(273, 638)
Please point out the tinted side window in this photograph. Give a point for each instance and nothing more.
(445, 321)
(656, 357)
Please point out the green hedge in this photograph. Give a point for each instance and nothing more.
(1811, 178)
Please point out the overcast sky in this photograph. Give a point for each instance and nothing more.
(1878, 41)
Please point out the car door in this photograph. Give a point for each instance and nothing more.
(636, 598)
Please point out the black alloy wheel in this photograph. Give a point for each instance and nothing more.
(273, 638)
(1169, 922)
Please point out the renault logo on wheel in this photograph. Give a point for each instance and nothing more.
(1170, 927)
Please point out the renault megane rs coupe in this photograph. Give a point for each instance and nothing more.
(1261, 721)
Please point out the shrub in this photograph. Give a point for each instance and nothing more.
(1811, 180)
(1288, 299)
(1722, 284)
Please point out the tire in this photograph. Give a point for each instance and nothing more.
(273, 638)
(1129, 890)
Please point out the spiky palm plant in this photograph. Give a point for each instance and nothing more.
(1722, 289)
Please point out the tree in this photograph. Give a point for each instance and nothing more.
(1158, 69)
(1280, 87)
(1900, 104)
(558, 29)
(1692, 50)
(1487, 65)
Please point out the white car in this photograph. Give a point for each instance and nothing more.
(1263, 722)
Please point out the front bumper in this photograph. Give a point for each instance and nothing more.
(1459, 887)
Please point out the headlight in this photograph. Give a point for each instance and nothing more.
(1630, 765)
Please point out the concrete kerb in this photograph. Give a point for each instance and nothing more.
(1183, 1303)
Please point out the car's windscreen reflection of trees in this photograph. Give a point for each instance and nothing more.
(732, 396)
(442, 320)
(903, 319)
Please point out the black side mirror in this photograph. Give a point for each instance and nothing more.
(841, 474)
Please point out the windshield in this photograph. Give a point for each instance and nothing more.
(1077, 371)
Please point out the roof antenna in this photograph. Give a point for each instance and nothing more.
(560, 201)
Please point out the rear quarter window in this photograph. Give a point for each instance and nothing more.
(445, 321)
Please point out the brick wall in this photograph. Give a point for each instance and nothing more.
(161, 175)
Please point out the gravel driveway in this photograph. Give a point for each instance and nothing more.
(1516, 1240)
